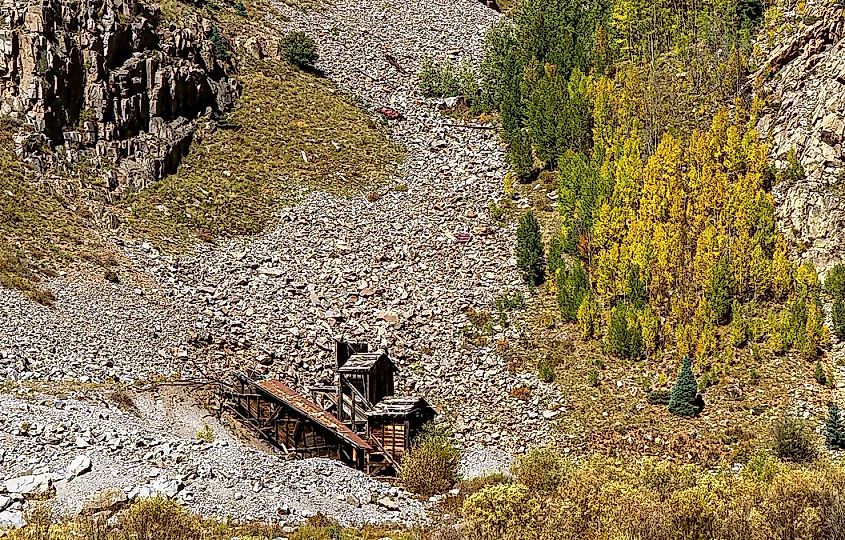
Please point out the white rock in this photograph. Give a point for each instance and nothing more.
(11, 520)
(29, 484)
(80, 465)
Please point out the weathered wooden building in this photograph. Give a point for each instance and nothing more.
(392, 426)
(296, 424)
(359, 421)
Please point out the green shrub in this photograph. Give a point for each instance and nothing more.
(834, 428)
(507, 301)
(593, 377)
(684, 399)
(834, 283)
(206, 434)
(792, 439)
(111, 276)
(530, 255)
(624, 335)
(221, 47)
(572, 287)
(300, 50)
(794, 171)
(659, 397)
(546, 370)
(541, 470)
(431, 466)
(446, 79)
(241, 8)
(819, 374)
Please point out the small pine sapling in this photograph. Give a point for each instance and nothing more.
(834, 428)
(530, 253)
(685, 399)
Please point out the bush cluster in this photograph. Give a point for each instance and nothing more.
(793, 439)
(654, 500)
(431, 466)
(447, 79)
(300, 50)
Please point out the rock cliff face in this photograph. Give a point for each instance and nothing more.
(804, 79)
(109, 79)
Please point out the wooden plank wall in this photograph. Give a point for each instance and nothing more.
(392, 436)
(288, 428)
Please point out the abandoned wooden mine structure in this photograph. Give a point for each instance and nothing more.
(360, 421)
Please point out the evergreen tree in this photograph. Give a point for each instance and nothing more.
(300, 50)
(636, 289)
(625, 334)
(530, 255)
(572, 286)
(720, 286)
(834, 283)
(685, 400)
(834, 428)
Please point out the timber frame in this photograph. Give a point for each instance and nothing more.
(359, 421)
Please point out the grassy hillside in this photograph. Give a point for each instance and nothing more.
(290, 132)
(42, 229)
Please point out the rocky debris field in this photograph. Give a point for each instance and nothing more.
(96, 456)
(398, 270)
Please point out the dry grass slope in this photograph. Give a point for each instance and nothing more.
(41, 230)
(291, 132)
(163, 519)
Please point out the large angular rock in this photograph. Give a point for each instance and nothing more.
(29, 484)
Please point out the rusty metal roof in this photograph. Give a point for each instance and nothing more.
(308, 408)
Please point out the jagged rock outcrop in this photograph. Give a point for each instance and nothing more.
(109, 79)
(804, 80)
